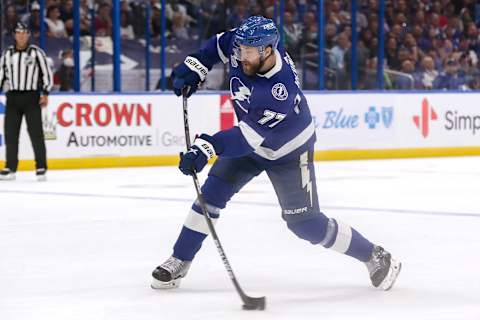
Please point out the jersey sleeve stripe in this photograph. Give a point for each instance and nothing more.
(252, 137)
(288, 147)
(219, 50)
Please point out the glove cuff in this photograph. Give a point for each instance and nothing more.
(205, 147)
(196, 66)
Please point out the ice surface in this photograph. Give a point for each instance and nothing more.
(82, 245)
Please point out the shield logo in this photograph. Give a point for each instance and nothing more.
(28, 61)
(387, 116)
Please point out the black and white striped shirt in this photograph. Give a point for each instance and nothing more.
(25, 70)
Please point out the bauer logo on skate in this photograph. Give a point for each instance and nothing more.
(104, 114)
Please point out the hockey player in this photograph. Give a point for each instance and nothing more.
(276, 134)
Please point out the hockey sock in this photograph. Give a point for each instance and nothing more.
(344, 239)
(194, 231)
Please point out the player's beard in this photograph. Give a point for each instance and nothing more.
(250, 69)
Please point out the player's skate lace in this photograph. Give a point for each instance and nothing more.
(173, 268)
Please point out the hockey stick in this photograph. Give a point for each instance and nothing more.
(249, 303)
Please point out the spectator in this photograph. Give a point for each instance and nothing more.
(32, 19)
(174, 6)
(179, 26)
(402, 56)
(126, 29)
(391, 54)
(240, 13)
(213, 16)
(156, 21)
(66, 14)
(396, 32)
(429, 74)
(401, 7)
(51, 3)
(270, 12)
(417, 32)
(337, 59)
(293, 34)
(64, 76)
(467, 61)
(450, 79)
(405, 82)
(11, 19)
(330, 35)
(473, 36)
(338, 52)
(411, 45)
(21, 7)
(371, 79)
(256, 9)
(85, 20)
(291, 8)
(66, 10)
(137, 17)
(414, 30)
(56, 27)
(362, 60)
(445, 49)
(310, 27)
(103, 21)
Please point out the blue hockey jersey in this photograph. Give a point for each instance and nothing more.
(274, 120)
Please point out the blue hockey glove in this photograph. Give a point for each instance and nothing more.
(188, 75)
(195, 159)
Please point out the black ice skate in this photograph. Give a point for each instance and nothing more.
(7, 175)
(169, 274)
(383, 269)
(41, 174)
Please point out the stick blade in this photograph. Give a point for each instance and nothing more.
(254, 303)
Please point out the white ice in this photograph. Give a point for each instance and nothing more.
(82, 245)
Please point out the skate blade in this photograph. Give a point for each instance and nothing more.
(8, 178)
(392, 275)
(160, 285)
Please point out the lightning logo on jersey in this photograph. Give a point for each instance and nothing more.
(306, 181)
(240, 93)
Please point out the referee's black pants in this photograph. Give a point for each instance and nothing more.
(20, 103)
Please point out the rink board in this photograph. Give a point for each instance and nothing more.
(115, 130)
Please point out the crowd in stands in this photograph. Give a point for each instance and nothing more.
(428, 44)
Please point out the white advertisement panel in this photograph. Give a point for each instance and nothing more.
(116, 125)
(391, 121)
(81, 126)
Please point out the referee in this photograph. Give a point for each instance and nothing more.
(24, 68)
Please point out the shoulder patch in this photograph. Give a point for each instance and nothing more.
(29, 60)
(279, 92)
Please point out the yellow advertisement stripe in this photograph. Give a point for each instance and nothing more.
(330, 155)
(102, 162)
(395, 153)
